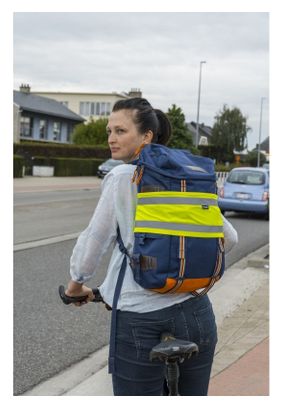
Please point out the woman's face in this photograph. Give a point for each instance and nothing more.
(123, 136)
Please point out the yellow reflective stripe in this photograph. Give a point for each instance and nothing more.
(195, 234)
(179, 213)
(178, 194)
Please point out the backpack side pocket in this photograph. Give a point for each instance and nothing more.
(151, 259)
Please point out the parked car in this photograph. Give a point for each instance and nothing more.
(246, 189)
(107, 166)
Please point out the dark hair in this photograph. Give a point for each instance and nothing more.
(146, 118)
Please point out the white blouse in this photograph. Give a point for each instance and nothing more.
(117, 205)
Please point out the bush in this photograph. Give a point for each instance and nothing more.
(91, 133)
(19, 163)
(215, 152)
(29, 150)
(64, 166)
(76, 167)
(222, 167)
(251, 158)
(43, 161)
(47, 149)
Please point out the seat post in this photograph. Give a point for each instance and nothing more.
(172, 352)
(173, 373)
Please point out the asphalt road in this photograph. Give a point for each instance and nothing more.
(49, 336)
(40, 215)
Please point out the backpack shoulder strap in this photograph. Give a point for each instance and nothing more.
(120, 279)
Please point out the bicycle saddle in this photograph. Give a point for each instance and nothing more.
(171, 348)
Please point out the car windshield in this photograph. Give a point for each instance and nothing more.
(246, 177)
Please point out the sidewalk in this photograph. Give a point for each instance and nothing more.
(241, 364)
(29, 184)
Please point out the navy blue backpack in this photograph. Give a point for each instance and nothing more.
(179, 241)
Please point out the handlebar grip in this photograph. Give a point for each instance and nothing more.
(74, 299)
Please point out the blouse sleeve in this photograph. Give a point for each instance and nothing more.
(96, 239)
(230, 235)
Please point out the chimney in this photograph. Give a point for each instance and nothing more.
(25, 88)
(135, 93)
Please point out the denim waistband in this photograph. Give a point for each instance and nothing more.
(191, 303)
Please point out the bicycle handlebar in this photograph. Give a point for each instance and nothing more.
(75, 299)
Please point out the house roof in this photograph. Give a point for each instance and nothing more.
(47, 106)
(203, 129)
(119, 94)
(265, 145)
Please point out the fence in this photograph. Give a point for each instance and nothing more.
(221, 177)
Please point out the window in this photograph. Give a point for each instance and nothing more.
(26, 124)
(81, 108)
(70, 129)
(97, 111)
(66, 103)
(250, 177)
(56, 130)
(92, 108)
(42, 129)
(108, 108)
(103, 109)
(95, 108)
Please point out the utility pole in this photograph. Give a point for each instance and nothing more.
(199, 88)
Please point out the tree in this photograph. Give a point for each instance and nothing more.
(181, 137)
(229, 133)
(251, 158)
(91, 133)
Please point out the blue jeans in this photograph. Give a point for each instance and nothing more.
(137, 333)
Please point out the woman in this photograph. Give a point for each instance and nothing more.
(142, 315)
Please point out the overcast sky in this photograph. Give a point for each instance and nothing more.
(159, 53)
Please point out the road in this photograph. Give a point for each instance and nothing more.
(49, 336)
(40, 215)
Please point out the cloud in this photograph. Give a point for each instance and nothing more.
(156, 52)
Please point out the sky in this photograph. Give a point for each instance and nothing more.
(159, 53)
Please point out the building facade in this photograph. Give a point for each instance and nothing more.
(90, 105)
(42, 119)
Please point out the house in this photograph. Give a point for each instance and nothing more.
(264, 148)
(205, 132)
(90, 105)
(43, 119)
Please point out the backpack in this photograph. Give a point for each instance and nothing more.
(179, 240)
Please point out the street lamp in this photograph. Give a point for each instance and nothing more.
(199, 86)
(259, 136)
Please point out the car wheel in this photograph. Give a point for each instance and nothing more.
(266, 216)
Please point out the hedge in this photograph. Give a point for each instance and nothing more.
(19, 163)
(222, 167)
(31, 149)
(64, 166)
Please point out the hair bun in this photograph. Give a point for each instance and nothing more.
(164, 129)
